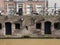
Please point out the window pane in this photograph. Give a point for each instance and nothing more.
(17, 26)
(30, 0)
(10, 0)
(29, 9)
(57, 25)
(38, 8)
(38, 25)
(10, 9)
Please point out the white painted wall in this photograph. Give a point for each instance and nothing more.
(51, 3)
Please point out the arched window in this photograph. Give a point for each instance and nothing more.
(57, 25)
(38, 25)
(17, 26)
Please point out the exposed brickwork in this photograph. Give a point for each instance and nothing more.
(32, 31)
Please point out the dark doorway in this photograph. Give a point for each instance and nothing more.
(8, 28)
(20, 11)
(47, 27)
(0, 26)
(38, 25)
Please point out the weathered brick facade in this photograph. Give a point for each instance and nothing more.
(28, 25)
(31, 29)
(23, 5)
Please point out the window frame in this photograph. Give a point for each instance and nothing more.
(57, 26)
(40, 25)
(17, 25)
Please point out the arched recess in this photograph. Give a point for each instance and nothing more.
(47, 26)
(0, 26)
(8, 27)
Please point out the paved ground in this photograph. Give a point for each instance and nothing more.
(29, 41)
